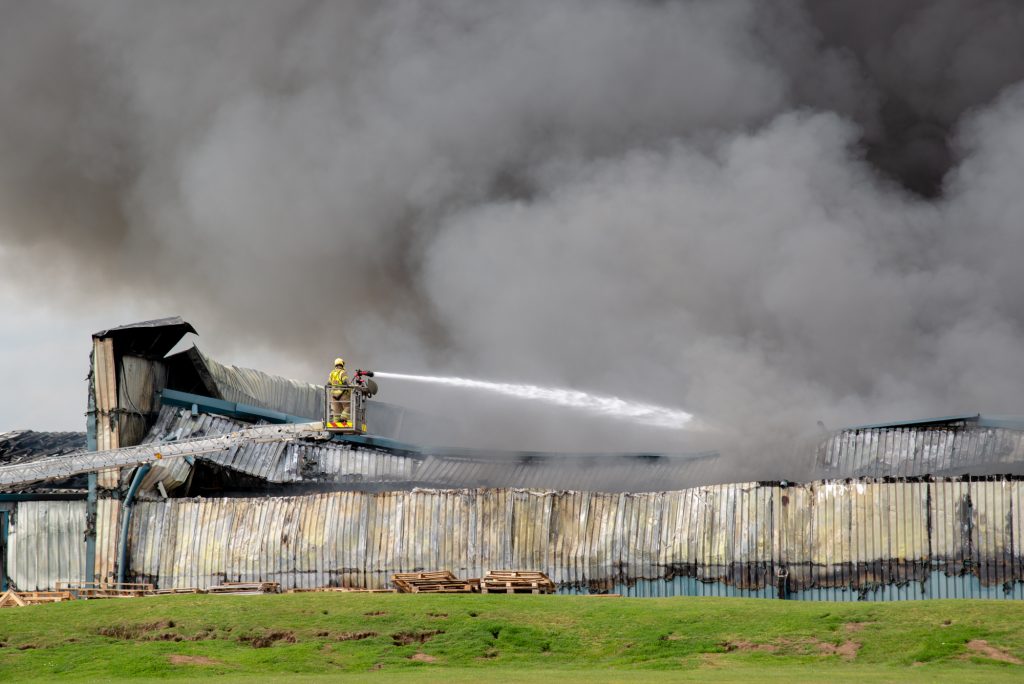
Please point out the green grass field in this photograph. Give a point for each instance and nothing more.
(386, 637)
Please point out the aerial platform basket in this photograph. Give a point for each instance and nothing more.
(345, 405)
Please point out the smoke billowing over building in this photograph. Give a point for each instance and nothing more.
(775, 216)
(198, 473)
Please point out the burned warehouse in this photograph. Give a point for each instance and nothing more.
(193, 473)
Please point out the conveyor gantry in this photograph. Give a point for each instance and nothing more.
(78, 462)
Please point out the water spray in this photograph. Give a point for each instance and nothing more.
(615, 407)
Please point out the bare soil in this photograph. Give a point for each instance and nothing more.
(423, 658)
(982, 648)
(355, 636)
(406, 638)
(269, 639)
(731, 646)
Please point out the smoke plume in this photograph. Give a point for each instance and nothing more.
(766, 214)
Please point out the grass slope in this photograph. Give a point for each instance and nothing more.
(380, 637)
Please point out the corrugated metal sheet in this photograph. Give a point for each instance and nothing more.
(175, 424)
(956, 448)
(830, 541)
(583, 472)
(26, 445)
(105, 388)
(289, 461)
(250, 386)
(859, 540)
(108, 530)
(46, 544)
(139, 381)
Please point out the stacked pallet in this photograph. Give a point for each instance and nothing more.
(246, 588)
(436, 582)
(11, 598)
(516, 582)
(347, 590)
(92, 590)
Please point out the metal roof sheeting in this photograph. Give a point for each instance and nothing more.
(18, 446)
(250, 386)
(582, 472)
(149, 339)
(174, 424)
(955, 448)
(284, 460)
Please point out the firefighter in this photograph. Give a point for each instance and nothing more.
(339, 397)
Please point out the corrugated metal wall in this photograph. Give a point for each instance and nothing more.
(912, 451)
(47, 543)
(878, 540)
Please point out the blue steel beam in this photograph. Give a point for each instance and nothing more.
(200, 404)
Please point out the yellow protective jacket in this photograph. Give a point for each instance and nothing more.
(338, 377)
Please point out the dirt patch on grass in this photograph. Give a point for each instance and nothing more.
(852, 627)
(423, 658)
(374, 613)
(985, 650)
(355, 636)
(267, 640)
(406, 638)
(846, 650)
(192, 660)
(748, 646)
(810, 646)
(438, 615)
(137, 632)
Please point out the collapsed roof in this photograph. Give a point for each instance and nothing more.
(140, 396)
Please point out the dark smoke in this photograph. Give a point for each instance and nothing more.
(768, 214)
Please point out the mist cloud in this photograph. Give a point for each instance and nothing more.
(764, 214)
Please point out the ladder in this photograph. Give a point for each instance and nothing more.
(78, 462)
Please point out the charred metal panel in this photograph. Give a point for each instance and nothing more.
(19, 446)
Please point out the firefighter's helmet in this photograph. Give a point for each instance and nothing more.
(339, 362)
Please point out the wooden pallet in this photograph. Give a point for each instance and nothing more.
(443, 587)
(346, 590)
(245, 588)
(516, 582)
(106, 589)
(11, 598)
(183, 590)
(434, 582)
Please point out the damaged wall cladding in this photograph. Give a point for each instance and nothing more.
(975, 445)
(867, 540)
